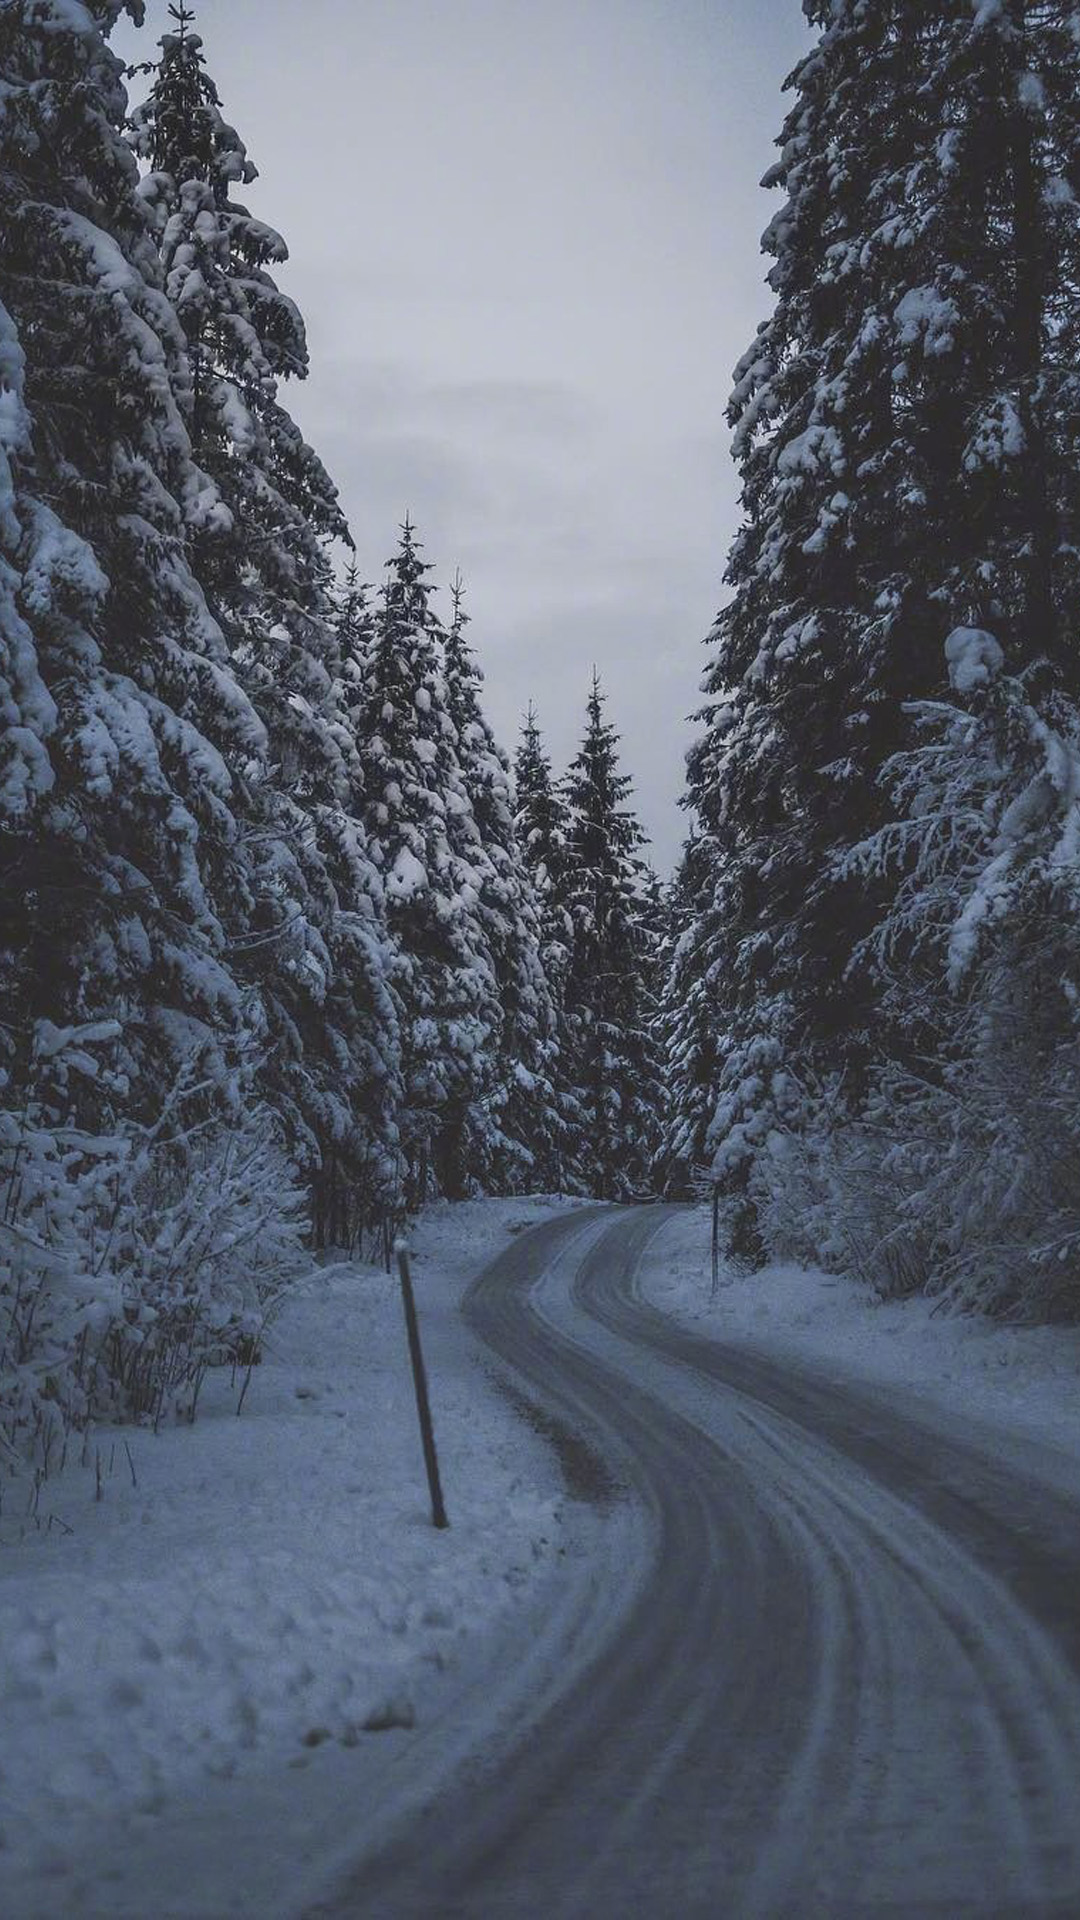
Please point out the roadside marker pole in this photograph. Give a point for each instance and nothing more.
(423, 1404)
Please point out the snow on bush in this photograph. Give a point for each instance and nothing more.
(961, 1176)
(130, 1260)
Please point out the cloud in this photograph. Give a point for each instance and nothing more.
(529, 411)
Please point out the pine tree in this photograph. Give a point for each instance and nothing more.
(265, 561)
(135, 1160)
(609, 1010)
(124, 883)
(318, 955)
(244, 335)
(902, 427)
(434, 874)
(354, 633)
(540, 819)
(513, 1148)
(686, 1038)
(540, 825)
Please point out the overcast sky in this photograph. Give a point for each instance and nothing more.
(525, 237)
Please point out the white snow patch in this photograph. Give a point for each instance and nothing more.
(925, 316)
(973, 656)
(1023, 1379)
(407, 877)
(1030, 92)
(190, 1664)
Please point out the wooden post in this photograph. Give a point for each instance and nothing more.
(423, 1405)
(715, 1242)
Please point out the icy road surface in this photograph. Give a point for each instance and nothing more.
(839, 1674)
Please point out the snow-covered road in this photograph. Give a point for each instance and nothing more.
(835, 1672)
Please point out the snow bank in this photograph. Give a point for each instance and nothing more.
(254, 1596)
(1026, 1379)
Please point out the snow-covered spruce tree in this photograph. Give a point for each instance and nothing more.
(609, 1005)
(540, 820)
(362, 1185)
(512, 1147)
(686, 1037)
(354, 632)
(124, 884)
(903, 427)
(120, 857)
(434, 874)
(540, 825)
(318, 953)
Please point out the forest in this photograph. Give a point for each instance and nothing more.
(291, 945)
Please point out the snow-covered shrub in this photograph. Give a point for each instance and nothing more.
(964, 1176)
(863, 1199)
(215, 1226)
(759, 1101)
(967, 1187)
(794, 1180)
(134, 1258)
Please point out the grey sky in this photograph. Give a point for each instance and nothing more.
(525, 239)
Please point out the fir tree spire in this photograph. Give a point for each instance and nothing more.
(511, 1143)
(540, 816)
(423, 833)
(609, 1011)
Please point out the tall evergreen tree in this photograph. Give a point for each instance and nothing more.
(513, 1146)
(686, 1036)
(319, 957)
(540, 824)
(540, 819)
(124, 883)
(354, 632)
(903, 427)
(609, 1010)
(434, 874)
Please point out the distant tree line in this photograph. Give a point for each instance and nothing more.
(282, 952)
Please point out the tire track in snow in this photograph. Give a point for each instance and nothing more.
(838, 1684)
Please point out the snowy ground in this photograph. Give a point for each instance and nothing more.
(199, 1666)
(1024, 1378)
(208, 1675)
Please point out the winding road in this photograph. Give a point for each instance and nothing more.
(836, 1675)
